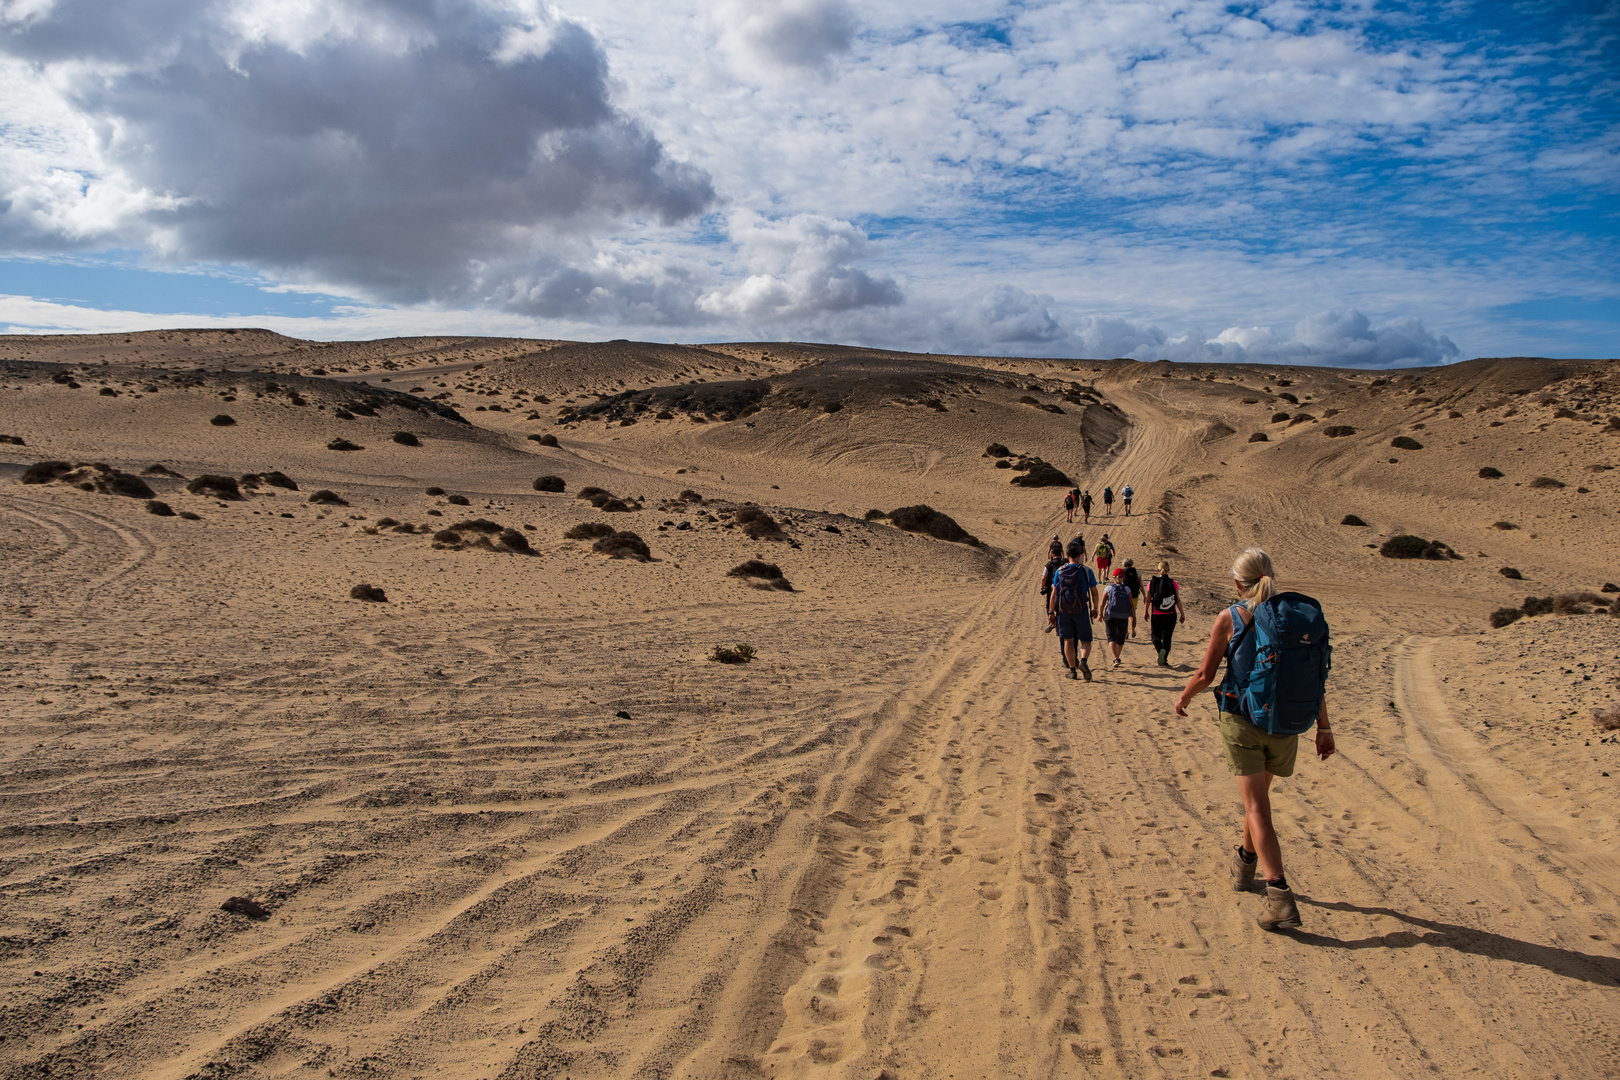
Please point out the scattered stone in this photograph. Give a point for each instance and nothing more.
(364, 591)
(222, 420)
(241, 905)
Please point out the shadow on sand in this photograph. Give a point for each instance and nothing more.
(1603, 970)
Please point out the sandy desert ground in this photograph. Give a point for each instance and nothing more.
(514, 822)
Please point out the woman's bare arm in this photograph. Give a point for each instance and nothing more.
(1199, 681)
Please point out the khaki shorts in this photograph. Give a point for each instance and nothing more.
(1250, 750)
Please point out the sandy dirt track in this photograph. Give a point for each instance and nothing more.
(513, 823)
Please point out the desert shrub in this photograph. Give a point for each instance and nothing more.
(876, 515)
(623, 545)
(1609, 586)
(43, 472)
(1576, 603)
(939, 406)
(446, 536)
(925, 519)
(115, 482)
(1351, 519)
(1003, 463)
(1407, 546)
(1505, 615)
(326, 497)
(1338, 431)
(343, 444)
(613, 506)
(343, 414)
(754, 568)
(514, 541)
(996, 450)
(1259, 436)
(1537, 605)
(215, 486)
(189, 516)
(1607, 719)
(689, 495)
(592, 492)
(364, 591)
(222, 420)
(832, 406)
(1546, 483)
(434, 491)
(457, 500)
(273, 479)
(160, 508)
(781, 583)
(1404, 546)
(732, 654)
(1300, 418)
(1511, 573)
(476, 525)
(405, 438)
(544, 440)
(664, 414)
(550, 483)
(160, 470)
(1043, 474)
(589, 530)
(1290, 398)
(12, 440)
(387, 522)
(1488, 473)
(1405, 442)
(1504, 525)
(758, 525)
(1279, 417)
(1563, 414)
(1027, 400)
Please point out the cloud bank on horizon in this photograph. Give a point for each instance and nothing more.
(1287, 182)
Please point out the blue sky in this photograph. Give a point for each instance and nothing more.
(1346, 183)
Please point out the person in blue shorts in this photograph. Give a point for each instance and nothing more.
(1071, 606)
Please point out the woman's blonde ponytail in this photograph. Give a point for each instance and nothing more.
(1253, 570)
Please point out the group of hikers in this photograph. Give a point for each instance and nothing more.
(1075, 499)
(1073, 600)
(1277, 657)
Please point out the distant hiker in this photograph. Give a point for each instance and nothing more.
(1277, 661)
(1054, 559)
(1117, 613)
(1108, 499)
(1164, 611)
(1071, 607)
(1133, 581)
(1068, 506)
(1127, 493)
(1105, 557)
(1085, 505)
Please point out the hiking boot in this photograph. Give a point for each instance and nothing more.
(1281, 912)
(1242, 872)
(1085, 670)
(1073, 674)
(1161, 659)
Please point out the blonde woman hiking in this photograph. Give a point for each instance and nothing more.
(1277, 661)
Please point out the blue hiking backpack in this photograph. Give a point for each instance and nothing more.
(1072, 586)
(1277, 665)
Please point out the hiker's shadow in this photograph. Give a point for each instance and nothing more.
(1587, 967)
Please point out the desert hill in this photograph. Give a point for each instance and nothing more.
(517, 815)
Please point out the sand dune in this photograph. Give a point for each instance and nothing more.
(515, 822)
